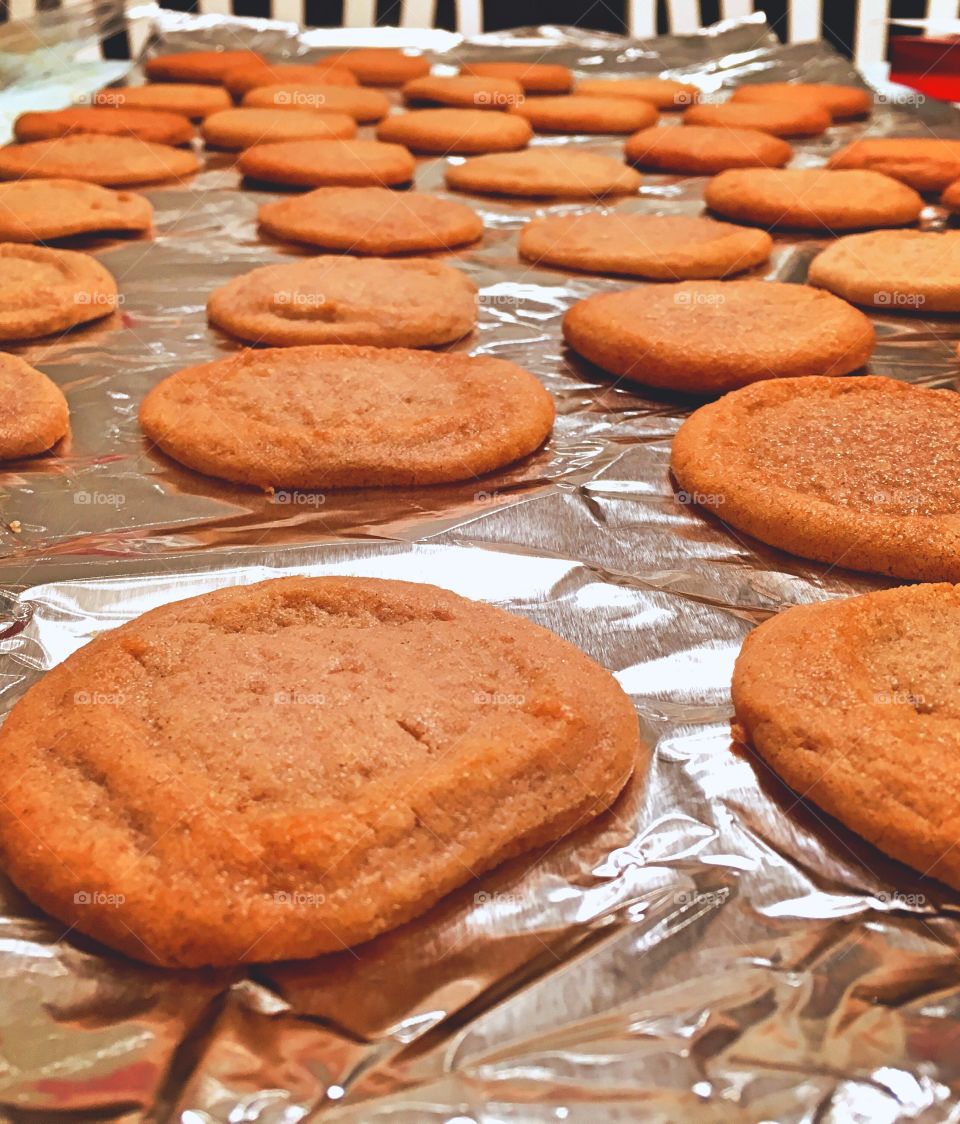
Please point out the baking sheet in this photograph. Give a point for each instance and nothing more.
(711, 949)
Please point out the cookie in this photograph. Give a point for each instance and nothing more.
(33, 411)
(463, 91)
(854, 704)
(861, 473)
(925, 163)
(361, 105)
(371, 220)
(332, 299)
(534, 77)
(42, 210)
(110, 161)
(455, 131)
(380, 66)
(146, 124)
(193, 101)
(812, 199)
(243, 79)
(205, 67)
(699, 150)
(319, 163)
(274, 771)
(241, 128)
(572, 113)
(951, 196)
(708, 337)
(841, 102)
(782, 119)
(663, 93)
(43, 291)
(558, 172)
(657, 247)
(893, 270)
(345, 417)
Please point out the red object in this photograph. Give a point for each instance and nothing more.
(930, 65)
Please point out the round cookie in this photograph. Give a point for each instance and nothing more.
(572, 113)
(812, 198)
(191, 101)
(43, 291)
(346, 417)
(951, 196)
(657, 247)
(709, 337)
(925, 163)
(782, 119)
(146, 124)
(463, 91)
(371, 220)
(332, 299)
(380, 66)
(893, 270)
(861, 473)
(455, 131)
(664, 93)
(699, 150)
(320, 163)
(534, 77)
(33, 411)
(541, 172)
(242, 128)
(205, 67)
(42, 210)
(318, 731)
(854, 704)
(110, 161)
(841, 102)
(361, 105)
(243, 79)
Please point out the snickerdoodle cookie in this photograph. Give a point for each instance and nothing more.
(559, 172)
(463, 91)
(110, 161)
(782, 119)
(319, 163)
(43, 291)
(147, 124)
(42, 210)
(380, 66)
(198, 66)
(362, 105)
(242, 128)
(708, 337)
(191, 101)
(862, 473)
(841, 102)
(534, 77)
(575, 113)
(926, 163)
(704, 149)
(243, 79)
(664, 93)
(455, 131)
(344, 417)
(33, 411)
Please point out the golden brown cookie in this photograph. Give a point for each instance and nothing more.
(42, 210)
(380, 66)
(455, 131)
(951, 196)
(33, 411)
(361, 105)
(205, 67)
(657, 247)
(243, 79)
(893, 270)
(925, 163)
(111, 161)
(558, 172)
(275, 771)
(371, 220)
(344, 417)
(841, 102)
(321, 163)
(708, 337)
(147, 124)
(704, 149)
(664, 93)
(812, 198)
(43, 291)
(782, 119)
(242, 128)
(534, 77)
(854, 704)
(333, 299)
(862, 473)
(193, 101)
(572, 113)
(463, 91)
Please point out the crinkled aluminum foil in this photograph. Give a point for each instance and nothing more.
(712, 949)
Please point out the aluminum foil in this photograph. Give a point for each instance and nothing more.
(712, 949)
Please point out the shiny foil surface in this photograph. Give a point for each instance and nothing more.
(712, 948)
